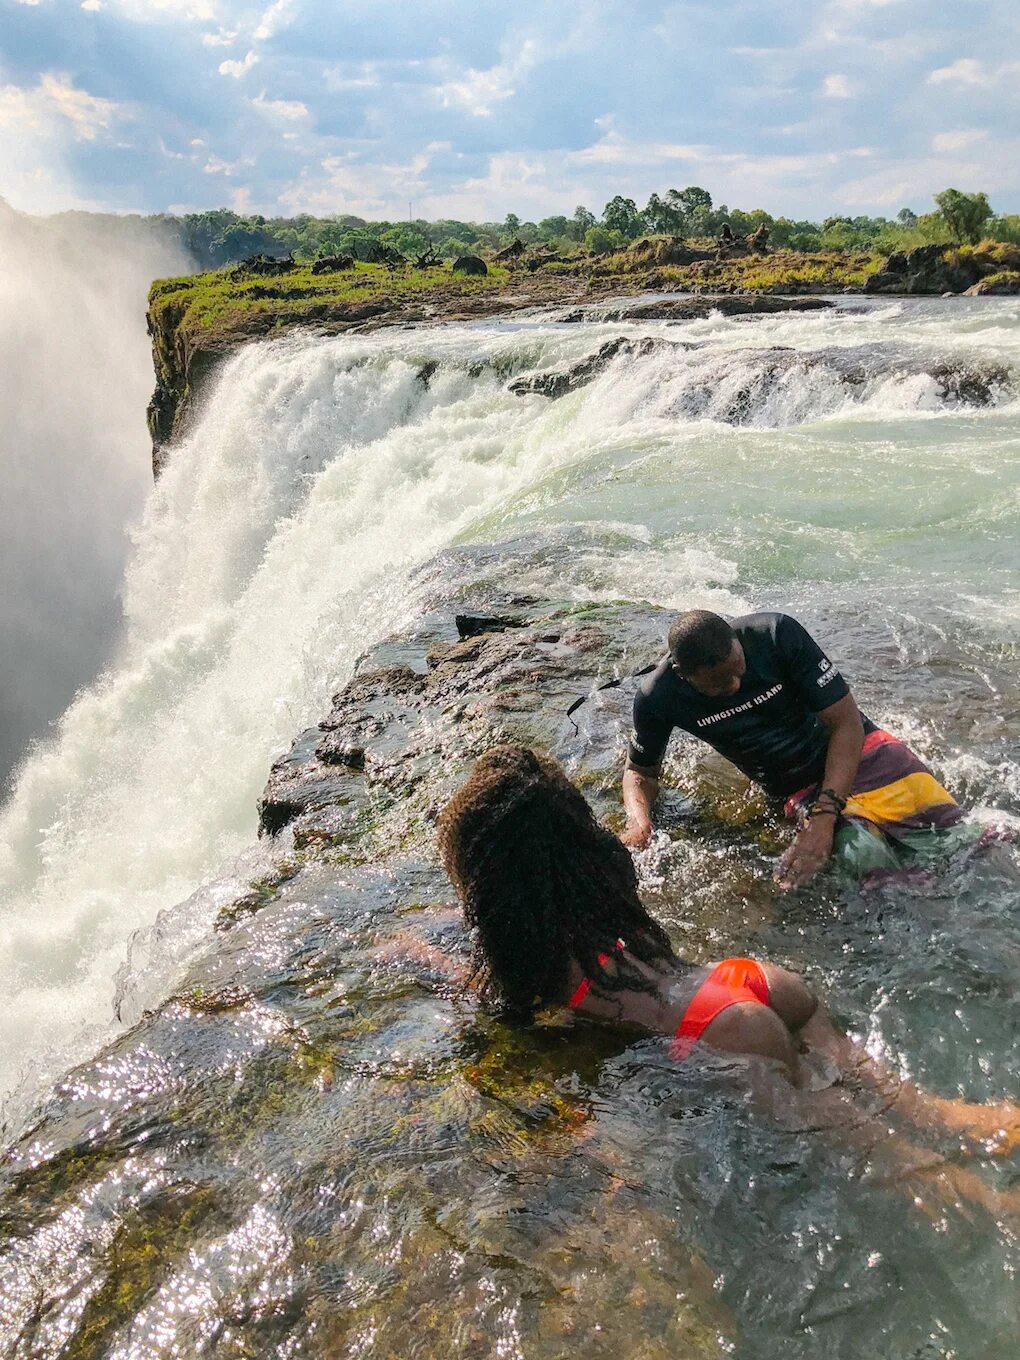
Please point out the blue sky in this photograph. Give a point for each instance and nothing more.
(472, 110)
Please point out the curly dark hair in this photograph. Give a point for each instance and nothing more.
(541, 883)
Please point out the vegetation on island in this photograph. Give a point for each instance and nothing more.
(219, 237)
(344, 273)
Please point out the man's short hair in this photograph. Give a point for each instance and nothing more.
(699, 638)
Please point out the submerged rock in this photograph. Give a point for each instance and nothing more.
(557, 382)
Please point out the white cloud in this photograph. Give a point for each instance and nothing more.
(543, 182)
(966, 71)
(351, 184)
(987, 165)
(236, 69)
(53, 105)
(838, 87)
(277, 16)
(367, 77)
(223, 37)
(478, 92)
(215, 165)
(290, 110)
(956, 141)
(969, 72)
(92, 5)
(156, 11)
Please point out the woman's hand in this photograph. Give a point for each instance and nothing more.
(810, 850)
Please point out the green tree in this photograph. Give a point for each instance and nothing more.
(965, 214)
(621, 214)
(583, 220)
(552, 228)
(906, 217)
(511, 226)
(601, 240)
(933, 229)
(663, 217)
(1005, 228)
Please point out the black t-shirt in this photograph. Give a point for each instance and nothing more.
(769, 728)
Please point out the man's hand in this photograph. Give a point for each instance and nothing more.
(637, 834)
(808, 853)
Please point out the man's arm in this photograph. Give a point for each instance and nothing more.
(648, 741)
(640, 790)
(813, 843)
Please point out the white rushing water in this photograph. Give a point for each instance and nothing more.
(74, 471)
(284, 536)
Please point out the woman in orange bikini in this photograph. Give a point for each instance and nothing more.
(553, 902)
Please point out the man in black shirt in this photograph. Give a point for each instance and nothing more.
(763, 694)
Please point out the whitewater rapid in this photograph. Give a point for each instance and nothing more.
(288, 532)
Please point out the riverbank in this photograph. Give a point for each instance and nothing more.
(196, 320)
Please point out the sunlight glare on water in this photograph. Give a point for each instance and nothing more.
(812, 462)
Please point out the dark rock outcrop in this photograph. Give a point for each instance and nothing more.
(333, 264)
(668, 250)
(692, 307)
(513, 251)
(538, 259)
(470, 264)
(928, 271)
(396, 726)
(1005, 284)
(264, 266)
(557, 382)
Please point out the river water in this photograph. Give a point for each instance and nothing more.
(330, 495)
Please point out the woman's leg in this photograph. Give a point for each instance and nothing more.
(992, 1130)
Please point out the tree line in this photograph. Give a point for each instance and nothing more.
(220, 237)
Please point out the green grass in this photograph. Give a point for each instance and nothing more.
(844, 271)
(216, 307)
(1003, 278)
(1001, 256)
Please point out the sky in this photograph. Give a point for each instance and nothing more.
(470, 110)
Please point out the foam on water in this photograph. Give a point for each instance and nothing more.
(284, 535)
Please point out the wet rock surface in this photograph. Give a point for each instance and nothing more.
(1004, 284)
(738, 387)
(317, 1140)
(507, 676)
(320, 1147)
(559, 381)
(933, 271)
(694, 307)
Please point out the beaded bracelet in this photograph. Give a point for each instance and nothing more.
(819, 810)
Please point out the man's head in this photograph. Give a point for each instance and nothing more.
(704, 651)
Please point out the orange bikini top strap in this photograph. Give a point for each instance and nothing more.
(585, 985)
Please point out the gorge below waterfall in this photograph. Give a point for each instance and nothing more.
(234, 1125)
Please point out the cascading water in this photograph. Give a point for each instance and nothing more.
(279, 541)
(815, 462)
